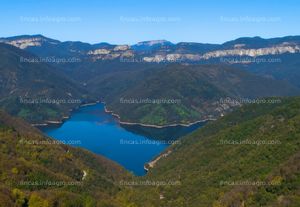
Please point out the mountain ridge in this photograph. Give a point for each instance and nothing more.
(37, 170)
(33, 89)
(102, 72)
(271, 39)
(249, 157)
(126, 92)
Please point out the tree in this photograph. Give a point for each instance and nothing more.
(36, 201)
(18, 196)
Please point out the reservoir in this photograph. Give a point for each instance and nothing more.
(131, 146)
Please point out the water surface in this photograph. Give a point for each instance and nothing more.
(130, 145)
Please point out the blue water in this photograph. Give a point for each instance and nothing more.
(131, 146)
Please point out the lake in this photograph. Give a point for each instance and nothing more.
(131, 146)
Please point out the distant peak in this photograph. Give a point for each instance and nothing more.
(154, 42)
(35, 36)
(24, 41)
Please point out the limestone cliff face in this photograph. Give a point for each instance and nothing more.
(236, 51)
(121, 48)
(24, 43)
(279, 49)
(119, 51)
(160, 50)
(173, 58)
(99, 52)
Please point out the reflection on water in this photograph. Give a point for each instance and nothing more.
(166, 133)
(131, 146)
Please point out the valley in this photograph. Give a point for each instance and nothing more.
(130, 103)
(175, 176)
(84, 133)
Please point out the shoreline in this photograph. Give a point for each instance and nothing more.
(153, 125)
(168, 125)
(57, 122)
(152, 163)
(61, 121)
(147, 166)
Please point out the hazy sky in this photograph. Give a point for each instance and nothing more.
(131, 21)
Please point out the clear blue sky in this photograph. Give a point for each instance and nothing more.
(131, 21)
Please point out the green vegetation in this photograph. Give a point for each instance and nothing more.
(206, 167)
(35, 91)
(213, 172)
(29, 88)
(249, 157)
(34, 172)
(195, 90)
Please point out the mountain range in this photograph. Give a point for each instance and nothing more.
(248, 156)
(265, 57)
(157, 50)
(112, 73)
